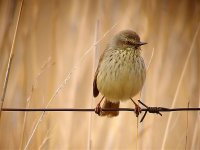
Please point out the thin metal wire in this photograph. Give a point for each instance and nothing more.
(160, 109)
(155, 110)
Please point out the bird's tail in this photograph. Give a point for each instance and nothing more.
(108, 104)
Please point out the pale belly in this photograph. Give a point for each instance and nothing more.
(120, 79)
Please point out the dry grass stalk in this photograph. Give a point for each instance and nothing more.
(61, 86)
(44, 67)
(96, 51)
(10, 59)
(187, 122)
(63, 30)
(179, 85)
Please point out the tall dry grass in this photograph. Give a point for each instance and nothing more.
(67, 32)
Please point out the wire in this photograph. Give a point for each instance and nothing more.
(155, 110)
(161, 109)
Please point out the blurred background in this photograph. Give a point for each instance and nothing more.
(56, 51)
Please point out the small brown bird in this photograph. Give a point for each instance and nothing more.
(121, 72)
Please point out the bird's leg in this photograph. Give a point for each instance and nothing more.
(137, 108)
(98, 109)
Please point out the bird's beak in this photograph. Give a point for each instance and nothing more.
(140, 43)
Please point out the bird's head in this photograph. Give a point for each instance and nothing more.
(126, 39)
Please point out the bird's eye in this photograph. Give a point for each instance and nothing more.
(129, 43)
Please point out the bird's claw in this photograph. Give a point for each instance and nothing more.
(138, 110)
(98, 110)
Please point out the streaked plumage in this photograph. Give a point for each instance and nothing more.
(121, 71)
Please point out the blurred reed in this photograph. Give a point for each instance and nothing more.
(65, 31)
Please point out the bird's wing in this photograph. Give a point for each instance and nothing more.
(95, 89)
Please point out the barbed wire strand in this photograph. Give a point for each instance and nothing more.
(147, 109)
(161, 109)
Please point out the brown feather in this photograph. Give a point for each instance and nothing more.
(108, 104)
(95, 89)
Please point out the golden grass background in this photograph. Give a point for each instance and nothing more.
(55, 59)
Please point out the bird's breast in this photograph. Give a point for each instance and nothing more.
(121, 75)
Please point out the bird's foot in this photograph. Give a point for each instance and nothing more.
(137, 109)
(98, 110)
